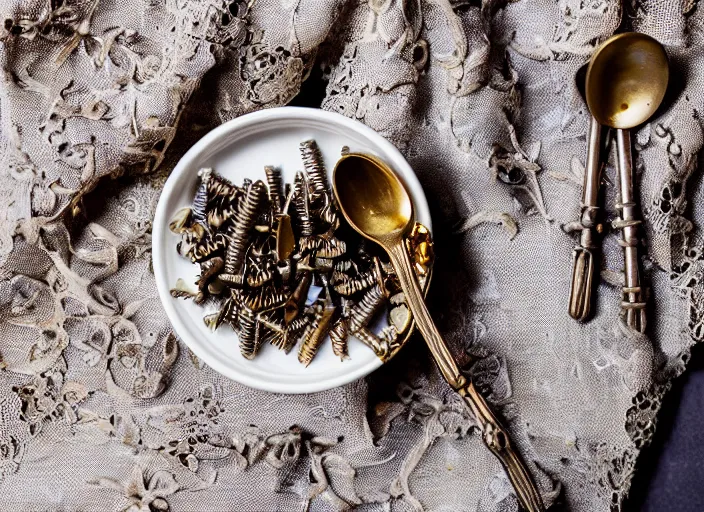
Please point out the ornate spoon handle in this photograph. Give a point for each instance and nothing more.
(495, 437)
(633, 297)
(401, 262)
(498, 441)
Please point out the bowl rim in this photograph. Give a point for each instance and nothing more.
(186, 163)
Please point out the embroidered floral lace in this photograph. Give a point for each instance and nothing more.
(102, 407)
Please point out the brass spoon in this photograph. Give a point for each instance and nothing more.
(626, 82)
(584, 254)
(377, 205)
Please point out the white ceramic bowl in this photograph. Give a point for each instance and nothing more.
(241, 148)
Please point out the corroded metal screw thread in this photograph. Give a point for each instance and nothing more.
(276, 186)
(329, 213)
(207, 246)
(362, 312)
(261, 273)
(200, 201)
(266, 297)
(224, 199)
(343, 266)
(249, 334)
(302, 204)
(313, 164)
(315, 333)
(349, 285)
(291, 332)
(271, 321)
(240, 230)
(331, 248)
(298, 323)
(309, 244)
(230, 312)
(338, 336)
(377, 344)
(224, 188)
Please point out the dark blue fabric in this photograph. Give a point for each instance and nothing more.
(670, 474)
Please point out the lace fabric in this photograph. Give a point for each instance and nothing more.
(101, 406)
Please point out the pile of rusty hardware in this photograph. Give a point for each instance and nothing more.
(286, 270)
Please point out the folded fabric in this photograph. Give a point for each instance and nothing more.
(101, 406)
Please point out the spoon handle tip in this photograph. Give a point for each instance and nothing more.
(497, 440)
(582, 283)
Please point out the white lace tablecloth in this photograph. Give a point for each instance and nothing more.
(102, 407)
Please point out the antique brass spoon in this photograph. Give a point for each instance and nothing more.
(584, 255)
(626, 82)
(377, 205)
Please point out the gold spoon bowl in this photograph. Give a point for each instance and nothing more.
(377, 205)
(627, 80)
